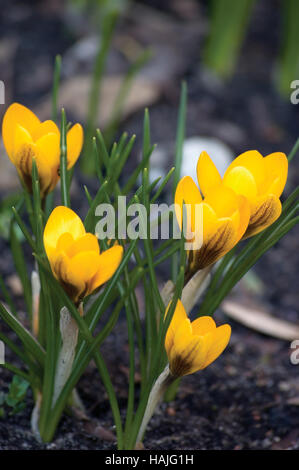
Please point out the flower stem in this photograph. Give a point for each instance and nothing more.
(35, 283)
(69, 334)
(65, 196)
(164, 380)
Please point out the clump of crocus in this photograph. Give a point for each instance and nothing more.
(74, 255)
(26, 138)
(190, 347)
(193, 346)
(224, 220)
(260, 179)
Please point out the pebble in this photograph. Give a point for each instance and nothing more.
(219, 152)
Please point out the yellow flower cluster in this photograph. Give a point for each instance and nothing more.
(74, 255)
(241, 204)
(26, 138)
(193, 346)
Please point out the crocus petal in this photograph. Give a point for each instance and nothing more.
(210, 220)
(218, 342)
(217, 238)
(188, 193)
(61, 220)
(276, 173)
(23, 149)
(218, 244)
(64, 242)
(223, 201)
(178, 317)
(47, 160)
(203, 325)
(204, 231)
(252, 161)
(74, 140)
(71, 281)
(109, 261)
(83, 266)
(49, 151)
(186, 351)
(207, 174)
(235, 218)
(17, 114)
(241, 180)
(264, 211)
(88, 242)
(46, 127)
(244, 211)
(215, 245)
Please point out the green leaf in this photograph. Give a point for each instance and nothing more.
(108, 25)
(124, 90)
(65, 195)
(29, 342)
(17, 393)
(180, 136)
(162, 185)
(37, 208)
(289, 59)
(24, 229)
(55, 88)
(20, 265)
(229, 21)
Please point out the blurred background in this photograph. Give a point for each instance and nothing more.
(118, 57)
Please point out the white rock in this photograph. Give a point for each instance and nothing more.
(219, 152)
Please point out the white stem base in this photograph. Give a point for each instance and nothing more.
(69, 335)
(160, 386)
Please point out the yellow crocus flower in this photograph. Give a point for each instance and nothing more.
(74, 255)
(25, 137)
(193, 346)
(225, 217)
(260, 179)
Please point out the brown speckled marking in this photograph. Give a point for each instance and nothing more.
(182, 365)
(25, 159)
(264, 213)
(210, 251)
(71, 290)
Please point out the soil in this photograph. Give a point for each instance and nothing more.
(246, 399)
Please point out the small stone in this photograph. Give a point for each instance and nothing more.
(266, 443)
(219, 152)
(15, 284)
(284, 386)
(231, 370)
(171, 411)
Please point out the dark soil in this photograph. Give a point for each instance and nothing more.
(243, 400)
(239, 402)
